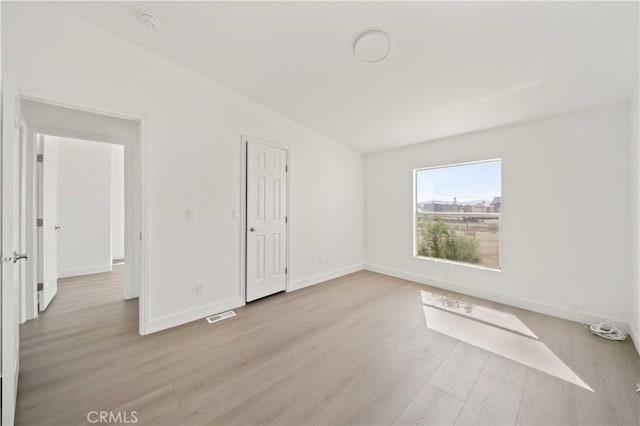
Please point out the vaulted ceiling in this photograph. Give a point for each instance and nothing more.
(454, 67)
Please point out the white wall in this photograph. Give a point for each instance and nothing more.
(194, 129)
(84, 207)
(565, 214)
(634, 157)
(117, 201)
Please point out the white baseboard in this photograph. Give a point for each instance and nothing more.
(131, 293)
(528, 304)
(173, 320)
(635, 336)
(317, 279)
(85, 271)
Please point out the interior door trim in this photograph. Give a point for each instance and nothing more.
(137, 173)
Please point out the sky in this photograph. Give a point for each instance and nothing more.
(476, 181)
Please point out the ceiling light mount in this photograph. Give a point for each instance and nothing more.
(372, 46)
(150, 20)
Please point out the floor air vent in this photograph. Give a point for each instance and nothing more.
(220, 317)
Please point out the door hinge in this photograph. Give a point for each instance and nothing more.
(40, 222)
(39, 158)
(285, 270)
(141, 236)
(286, 168)
(40, 286)
(286, 219)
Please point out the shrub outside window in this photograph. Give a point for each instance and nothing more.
(457, 213)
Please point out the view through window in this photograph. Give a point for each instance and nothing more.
(458, 213)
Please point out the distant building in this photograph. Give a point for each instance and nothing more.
(439, 207)
(480, 208)
(495, 205)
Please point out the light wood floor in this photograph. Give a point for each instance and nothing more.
(355, 350)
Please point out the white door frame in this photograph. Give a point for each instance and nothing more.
(23, 229)
(243, 211)
(136, 186)
(29, 287)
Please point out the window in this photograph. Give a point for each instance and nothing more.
(458, 211)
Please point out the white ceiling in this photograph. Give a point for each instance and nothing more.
(454, 67)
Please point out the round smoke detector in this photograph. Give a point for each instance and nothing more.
(149, 20)
(372, 46)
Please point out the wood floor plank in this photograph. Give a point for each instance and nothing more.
(506, 371)
(597, 368)
(547, 400)
(491, 402)
(431, 406)
(152, 405)
(459, 371)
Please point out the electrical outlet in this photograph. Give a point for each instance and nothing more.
(320, 263)
(199, 287)
(190, 215)
(235, 214)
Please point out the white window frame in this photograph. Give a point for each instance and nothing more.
(415, 217)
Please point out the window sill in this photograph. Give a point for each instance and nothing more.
(453, 262)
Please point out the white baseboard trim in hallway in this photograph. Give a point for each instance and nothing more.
(531, 305)
(317, 279)
(85, 271)
(635, 336)
(173, 320)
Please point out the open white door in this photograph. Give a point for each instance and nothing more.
(9, 243)
(266, 220)
(48, 217)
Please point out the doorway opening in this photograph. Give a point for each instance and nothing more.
(81, 212)
(83, 208)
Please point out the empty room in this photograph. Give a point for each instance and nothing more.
(319, 213)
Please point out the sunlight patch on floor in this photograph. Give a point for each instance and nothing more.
(476, 312)
(514, 346)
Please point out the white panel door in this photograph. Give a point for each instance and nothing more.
(266, 220)
(48, 232)
(9, 241)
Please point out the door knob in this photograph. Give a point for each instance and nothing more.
(252, 229)
(57, 227)
(17, 257)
